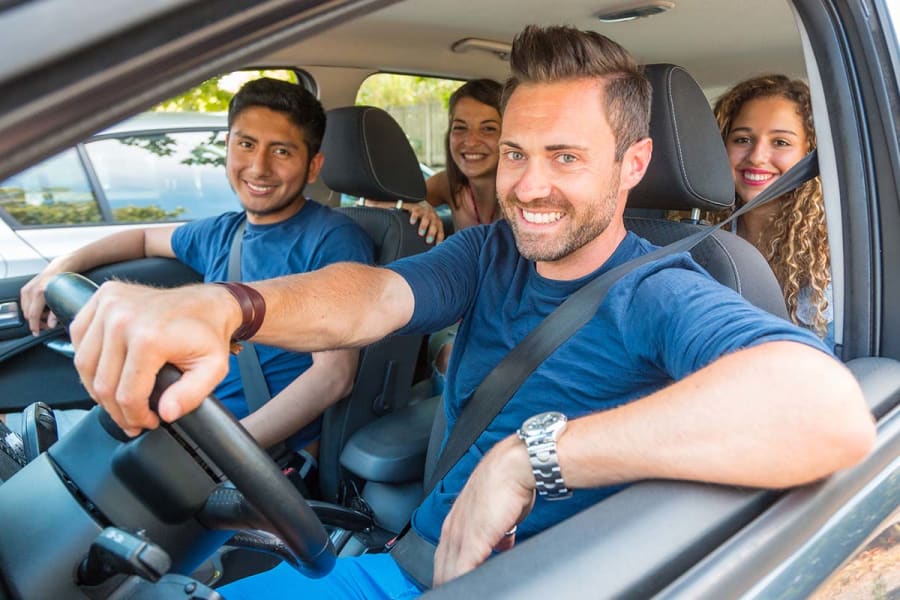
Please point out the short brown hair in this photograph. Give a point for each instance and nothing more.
(559, 53)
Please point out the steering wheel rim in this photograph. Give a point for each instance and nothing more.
(218, 435)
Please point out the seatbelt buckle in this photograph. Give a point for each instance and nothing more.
(393, 541)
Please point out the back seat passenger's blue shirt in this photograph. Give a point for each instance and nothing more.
(659, 323)
(313, 238)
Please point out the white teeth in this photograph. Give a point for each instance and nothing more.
(473, 156)
(541, 217)
(259, 188)
(757, 176)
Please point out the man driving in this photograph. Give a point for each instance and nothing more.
(675, 377)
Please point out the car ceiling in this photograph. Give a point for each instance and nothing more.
(69, 89)
(718, 41)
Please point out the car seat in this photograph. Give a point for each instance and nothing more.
(689, 170)
(367, 154)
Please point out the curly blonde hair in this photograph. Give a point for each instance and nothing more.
(797, 247)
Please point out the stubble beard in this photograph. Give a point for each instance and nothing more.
(592, 224)
(271, 210)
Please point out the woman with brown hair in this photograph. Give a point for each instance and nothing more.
(766, 123)
(468, 185)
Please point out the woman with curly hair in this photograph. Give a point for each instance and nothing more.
(766, 123)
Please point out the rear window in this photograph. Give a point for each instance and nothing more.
(418, 104)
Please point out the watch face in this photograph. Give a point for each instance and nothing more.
(548, 421)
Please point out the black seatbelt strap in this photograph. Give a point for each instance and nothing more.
(411, 551)
(256, 390)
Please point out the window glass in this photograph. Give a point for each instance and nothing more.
(54, 192)
(214, 94)
(894, 10)
(874, 569)
(418, 104)
(163, 177)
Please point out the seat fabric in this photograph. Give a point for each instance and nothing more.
(367, 154)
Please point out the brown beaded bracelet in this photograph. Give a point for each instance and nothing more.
(253, 309)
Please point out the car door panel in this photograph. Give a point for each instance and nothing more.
(25, 360)
(682, 522)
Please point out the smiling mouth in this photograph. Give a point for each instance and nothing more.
(757, 177)
(473, 156)
(259, 189)
(541, 218)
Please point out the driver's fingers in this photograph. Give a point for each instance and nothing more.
(116, 381)
(506, 542)
(136, 378)
(195, 384)
(87, 338)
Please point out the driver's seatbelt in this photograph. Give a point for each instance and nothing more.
(410, 551)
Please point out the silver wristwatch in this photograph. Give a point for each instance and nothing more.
(540, 434)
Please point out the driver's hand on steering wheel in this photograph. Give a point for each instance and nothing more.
(126, 333)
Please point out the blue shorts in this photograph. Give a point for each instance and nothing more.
(363, 577)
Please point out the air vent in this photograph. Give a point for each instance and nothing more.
(634, 10)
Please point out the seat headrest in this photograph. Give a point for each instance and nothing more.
(367, 154)
(689, 168)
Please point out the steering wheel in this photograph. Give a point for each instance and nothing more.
(235, 452)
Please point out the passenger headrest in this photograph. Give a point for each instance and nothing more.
(368, 155)
(689, 168)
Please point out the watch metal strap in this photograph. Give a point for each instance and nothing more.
(545, 466)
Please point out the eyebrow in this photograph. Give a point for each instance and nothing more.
(550, 148)
(482, 122)
(278, 143)
(781, 131)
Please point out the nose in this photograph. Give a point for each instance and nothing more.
(468, 138)
(534, 183)
(758, 154)
(259, 162)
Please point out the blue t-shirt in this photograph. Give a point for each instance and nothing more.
(313, 238)
(657, 324)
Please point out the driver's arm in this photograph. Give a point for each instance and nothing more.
(776, 415)
(125, 334)
(329, 379)
(125, 245)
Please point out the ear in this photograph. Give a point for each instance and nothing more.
(315, 165)
(635, 163)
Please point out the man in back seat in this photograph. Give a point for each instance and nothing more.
(675, 377)
(275, 130)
